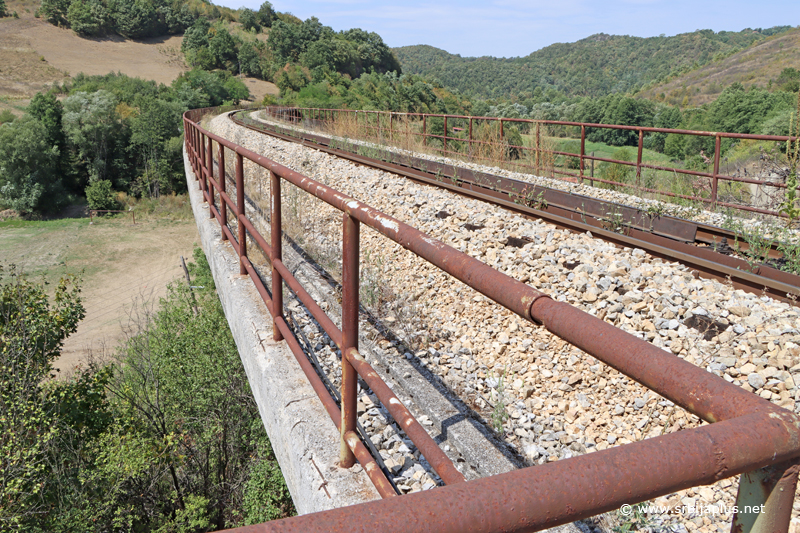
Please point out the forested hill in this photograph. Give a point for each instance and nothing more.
(772, 63)
(595, 66)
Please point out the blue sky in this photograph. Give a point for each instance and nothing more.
(505, 28)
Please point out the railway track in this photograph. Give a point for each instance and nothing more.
(706, 249)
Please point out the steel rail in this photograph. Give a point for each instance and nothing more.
(747, 434)
(705, 259)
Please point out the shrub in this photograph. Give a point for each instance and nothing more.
(87, 17)
(99, 195)
(674, 145)
(249, 20)
(237, 90)
(615, 171)
(55, 11)
(32, 331)
(573, 147)
(5, 114)
(512, 140)
(266, 496)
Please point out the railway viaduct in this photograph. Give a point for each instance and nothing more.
(334, 480)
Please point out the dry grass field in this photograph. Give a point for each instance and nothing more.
(23, 70)
(124, 268)
(35, 54)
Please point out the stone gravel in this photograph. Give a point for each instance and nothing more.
(549, 400)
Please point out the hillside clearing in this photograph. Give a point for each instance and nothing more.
(34, 54)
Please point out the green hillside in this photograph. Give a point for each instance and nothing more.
(598, 65)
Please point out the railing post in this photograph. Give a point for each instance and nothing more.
(189, 133)
(639, 159)
(196, 151)
(424, 131)
(199, 150)
(538, 150)
(444, 137)
(715, 179)
(240, 212)
(765, 498)
(202, 163)
(275, 243)
(201, 160)
(583, 149)
(196, 154)
(210, 152)
(391, 125)
(223, 205)
(470, 136)
(350, 280)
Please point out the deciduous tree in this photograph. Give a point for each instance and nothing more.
(32, 332)
(29, 181)
(266, 14)
(249, 20)
(91, 124)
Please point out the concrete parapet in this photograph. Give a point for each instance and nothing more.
(305, 440)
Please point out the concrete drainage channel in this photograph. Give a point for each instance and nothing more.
(459, 430)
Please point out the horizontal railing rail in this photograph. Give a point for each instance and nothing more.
(381, 125)
(747, 435)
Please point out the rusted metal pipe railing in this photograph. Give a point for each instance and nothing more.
(713, 176)
(350, 440)
(553, 494)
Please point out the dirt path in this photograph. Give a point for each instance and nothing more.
(125, 269)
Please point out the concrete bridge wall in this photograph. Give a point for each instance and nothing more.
(305, 440)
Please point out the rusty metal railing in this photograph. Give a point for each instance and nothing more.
(746, 434)
(465, 141)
